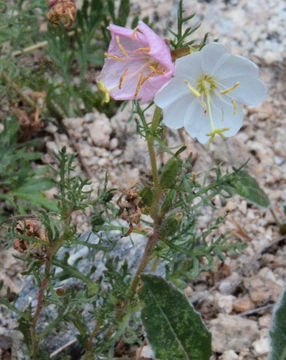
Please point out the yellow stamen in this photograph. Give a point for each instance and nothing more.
(120, 46)
(141, 49)
(222, 115)
(156, 70)
(193, 90)
(138, 85)
(129, 76)
(133, 34)
(146, 77)
(206, 92)
(101, 87)
(122, 77)
(204, 105)
(226, 91)
(114, 56)
(234, 106)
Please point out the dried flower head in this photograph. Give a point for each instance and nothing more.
(137, 64)
(61, 10)
(130, 208)
(28, 227)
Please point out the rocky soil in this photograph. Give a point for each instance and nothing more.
(236, 301)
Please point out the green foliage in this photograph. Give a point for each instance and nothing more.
(72, 196)
(169, 173)
(16, 24)
(174, 329)
(63, 69)
(123, 11)
(185, 250)
(21, 185)
(182, 34)
(103, 209)
(278, 330)
(65, 55)
(246, 186)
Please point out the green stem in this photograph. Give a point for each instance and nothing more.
(144, 260)
(154, 208)
(150, 144)
(153, 238)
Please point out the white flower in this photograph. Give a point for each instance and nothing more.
(205, 94)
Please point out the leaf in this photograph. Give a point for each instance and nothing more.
(168, 201)
(37, 199)
(247, 187)
(169, 173)
(34, 185)
(174, 329)
(278, 330)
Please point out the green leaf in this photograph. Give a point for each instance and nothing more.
(174, 329)
(169, 173)
(146, 195)
(168, 201)
(34, 185)
(247, 187)
(278, 330)
(170, 225)
(37, 199)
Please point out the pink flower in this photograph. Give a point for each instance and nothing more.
(138, 63)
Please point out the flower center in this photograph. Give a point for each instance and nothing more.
(206, 85)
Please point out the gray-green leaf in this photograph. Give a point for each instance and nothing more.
(174, 329)
(278, 330)
(247, 187)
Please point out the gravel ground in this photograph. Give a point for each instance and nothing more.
(237, 300)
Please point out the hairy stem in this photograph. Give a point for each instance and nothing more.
(153, 238)
(154, 208)
(39, 306)
(145, 259)
(150, 144)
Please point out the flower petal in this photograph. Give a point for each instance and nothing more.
(113, 70)
(158, 48)
(125, 40)
(235, 65)
(225, 115)
(250, 90)
(197, 123)
(169, 93)
(189, 67)
(173, 114)
(213, 55)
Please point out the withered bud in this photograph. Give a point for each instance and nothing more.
(20, 245)
(60, 291)
(130, 207)
(29, 227)
(61, 10)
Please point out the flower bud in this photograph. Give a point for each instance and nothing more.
(61, 10)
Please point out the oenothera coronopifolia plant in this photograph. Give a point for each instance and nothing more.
(200, 88)
(196, 86)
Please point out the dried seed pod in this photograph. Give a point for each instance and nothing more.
(20, 245)
(61, 10)
(130, 208)
(29, 227)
